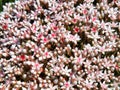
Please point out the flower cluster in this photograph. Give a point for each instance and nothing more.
(60, 45)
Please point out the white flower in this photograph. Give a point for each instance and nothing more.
(65, 71)
(114, 24)
(87, 64)
(8, 68)
(103, 85)
(109, 30)
(56, 69)
(79, 60)
(103, 24)
(67, 86)
(47, 54)
(88, 84)
(36, 65)
(88, 47)
(73, 38)
(113, 13)
(107, 63)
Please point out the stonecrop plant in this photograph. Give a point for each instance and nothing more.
(60, 45)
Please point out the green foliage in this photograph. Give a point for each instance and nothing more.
(0, 5)
(2, 2)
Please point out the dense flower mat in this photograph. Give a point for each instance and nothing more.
(60, 45)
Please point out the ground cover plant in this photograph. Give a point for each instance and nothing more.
(60, 45)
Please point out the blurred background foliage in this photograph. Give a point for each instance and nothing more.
(2, 2)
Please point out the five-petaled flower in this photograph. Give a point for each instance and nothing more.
(76, 29)
(85, 11)
(67, 85)
(53, 35)
(74, 21)
(94, 29)
(40, 36)
(22, 57)
(79, 60)
(54, 27)
(5, 27)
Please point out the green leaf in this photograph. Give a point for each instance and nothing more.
(2, 2)
(1, 5)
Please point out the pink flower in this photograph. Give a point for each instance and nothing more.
(79, 60)
(113, 37)
(5, 27)
(45, 40)
(53, 8)
(67, 86)
(85, 11)
(33, 28)
(39, 8)
(117, 67)
(94, 19)
(70, 12)
(113, 24)
(94, 29)
(19, 14)
(55, 28)
(76, 29)
(37, 66)
(103, 25)
(74, 21)
(53, 35)
(23, 57)
(39, 36)
(103, 85)
(88, 84)
(107, 63)
(56, 69)
(46, 54)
